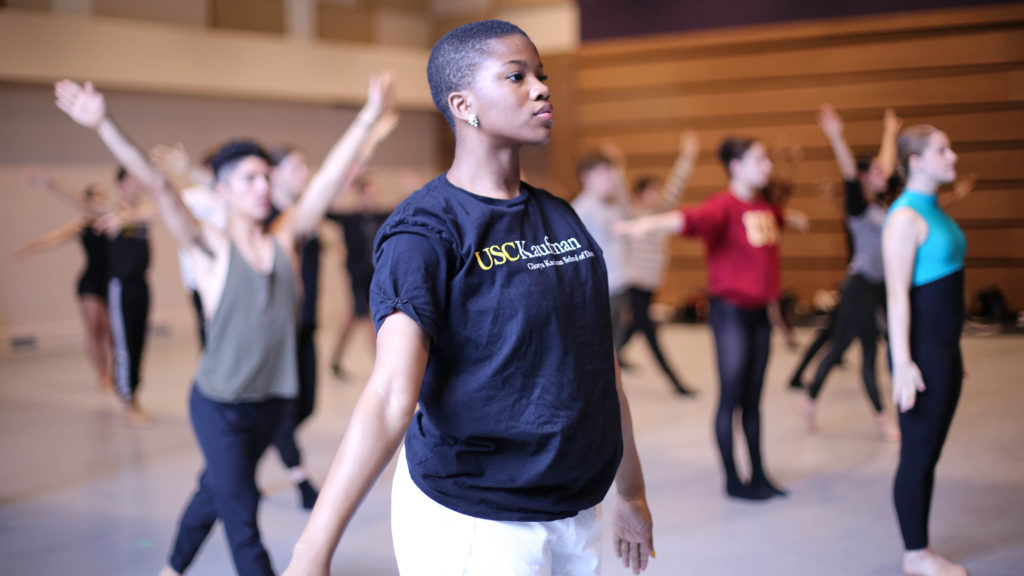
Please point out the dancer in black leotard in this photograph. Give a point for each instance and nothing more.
(359, 228)
(92, 282)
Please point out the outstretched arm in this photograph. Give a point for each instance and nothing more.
(112, 223)
(832, 125)
(671, 222)
(51, 239)
(682, 169)
(891, 124)
(305, 217)
(76, 201)
(378, 424)
(617, 157)
(632, 525)
(87, 107)
(176, 164)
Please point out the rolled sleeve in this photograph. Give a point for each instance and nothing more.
(411, 277)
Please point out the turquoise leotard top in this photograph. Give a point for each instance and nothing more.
(942, 252)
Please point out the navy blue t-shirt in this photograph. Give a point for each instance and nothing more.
(519, 415)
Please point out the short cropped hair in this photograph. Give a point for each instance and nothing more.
(456, 57)
(231, 153)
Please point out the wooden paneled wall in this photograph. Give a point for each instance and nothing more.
(962, 70)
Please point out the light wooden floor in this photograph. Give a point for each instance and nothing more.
(83, 494)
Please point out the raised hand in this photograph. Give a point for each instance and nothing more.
(632, 532)
(381, 96)
(891, 123)
(964, 186)
(906, 383)
(830, 121)
(689, 144)
(613, 153)
(83, 104)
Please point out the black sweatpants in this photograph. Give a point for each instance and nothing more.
(232, 438)
(823, 336)
(936, 322)
(128, 307)
(640, 303)
(302, 408)
(855, 318)
(742, 344)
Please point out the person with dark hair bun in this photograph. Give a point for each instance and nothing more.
(490, 301)
(245, 276)
(923, 250)
(740, 230)
(863, 289)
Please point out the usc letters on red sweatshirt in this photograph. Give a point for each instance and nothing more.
(741, 242)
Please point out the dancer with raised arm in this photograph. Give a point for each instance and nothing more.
(491, 305)
(647, 257)
(864, 288)
(246, 278)
(91, 290)
(740, 230)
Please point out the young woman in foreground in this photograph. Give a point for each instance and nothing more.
(491, 306)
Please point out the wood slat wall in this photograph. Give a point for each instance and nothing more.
(961, 69)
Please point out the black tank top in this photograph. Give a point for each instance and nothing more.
(128, 254)
(95, 246)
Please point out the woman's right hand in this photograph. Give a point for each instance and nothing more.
(906, 383)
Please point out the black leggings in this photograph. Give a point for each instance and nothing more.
(640, 302)
(855, 318)
(284, 440)
(824, 336)
(936, 313)
(742, 342)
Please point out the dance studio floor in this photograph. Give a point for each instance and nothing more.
(83, 494)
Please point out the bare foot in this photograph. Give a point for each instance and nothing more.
(927, 563)
(136, 417)
(887, 428)
(810, 414)
(168, 571)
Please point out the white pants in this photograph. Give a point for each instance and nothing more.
(432, 540)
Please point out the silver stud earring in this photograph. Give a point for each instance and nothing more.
(474, 121)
